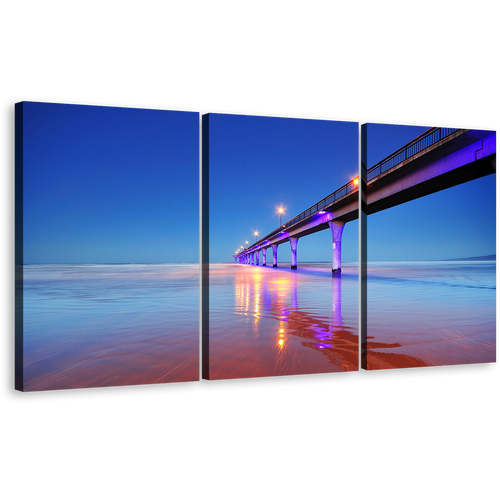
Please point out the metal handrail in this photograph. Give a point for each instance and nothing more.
(331, 198)
(423, 141)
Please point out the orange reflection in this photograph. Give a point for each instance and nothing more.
(285, 336)
(281, 335)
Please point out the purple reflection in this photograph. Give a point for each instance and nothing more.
(299, 304)
(324, 346)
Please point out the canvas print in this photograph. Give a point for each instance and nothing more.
(107, 246)
(107, 224)
(429, 201)
(280, 246)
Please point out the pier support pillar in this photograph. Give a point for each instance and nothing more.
(275, 255)
(264, 252)
(253, 258)
(337, 228)
(293, 245)
(257, 258)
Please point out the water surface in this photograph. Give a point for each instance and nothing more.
(431, 313)
(267, 321)
(102, 325)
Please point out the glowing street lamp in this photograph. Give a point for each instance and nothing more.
(356, 181)
(280, 211)
(256, 234)
(246, 242)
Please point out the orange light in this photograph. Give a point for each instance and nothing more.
(280, 210)
(281, 341)
(281, 331)
(356, 181)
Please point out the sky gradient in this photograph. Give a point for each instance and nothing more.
(458, 222)
(120, 185)
(110, 185)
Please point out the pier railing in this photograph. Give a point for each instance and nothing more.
(423, 141)
(328, 200)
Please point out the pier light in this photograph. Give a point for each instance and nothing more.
(280, 211)
(256, 233)
(356, 181)
(246, 242)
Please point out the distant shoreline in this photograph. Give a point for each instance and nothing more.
(484, 257)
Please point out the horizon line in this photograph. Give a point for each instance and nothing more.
(481, 257)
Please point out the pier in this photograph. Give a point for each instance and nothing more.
(438, 159)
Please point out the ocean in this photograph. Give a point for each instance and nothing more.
(431, 313)
(110, 325)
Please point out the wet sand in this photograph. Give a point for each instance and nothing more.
(267, 321)
(110, 325)
(94, 326)
(430, 314)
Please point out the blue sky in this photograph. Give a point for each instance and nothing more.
(114, 185)
(110, 185)
(258, 164)
(454, 223)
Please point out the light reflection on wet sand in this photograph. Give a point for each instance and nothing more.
(94, 326)
(89, 326)
(268, 321)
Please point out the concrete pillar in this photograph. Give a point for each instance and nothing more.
(275, 255)
(264, 251)
(337, 227)
(236, 260)
(293, 245)
(253, 258)
(257, 258)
